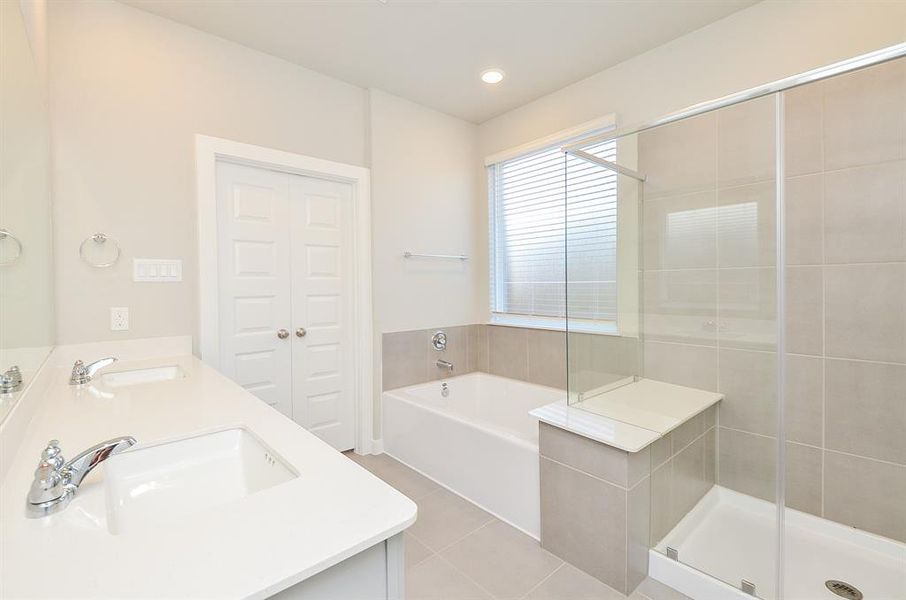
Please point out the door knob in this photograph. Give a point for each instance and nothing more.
(301, 332)
(282, 334)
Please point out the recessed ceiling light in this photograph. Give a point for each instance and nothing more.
(492, 75)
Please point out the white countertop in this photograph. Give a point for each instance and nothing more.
(596, 427)
(651, 404)
(248, 548)
(629, 415)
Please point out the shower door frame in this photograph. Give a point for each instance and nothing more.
(777, 89)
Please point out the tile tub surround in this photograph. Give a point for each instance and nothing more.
(408, 358)
(602, 508)
(709, 312)
(532, 355)
(457, 551)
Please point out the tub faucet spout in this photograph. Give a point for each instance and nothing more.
(444, 364)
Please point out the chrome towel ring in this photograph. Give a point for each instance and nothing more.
(100, 240)
(6, 235)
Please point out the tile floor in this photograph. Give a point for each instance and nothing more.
(457, 551)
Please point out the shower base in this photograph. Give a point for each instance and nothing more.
(733, 537)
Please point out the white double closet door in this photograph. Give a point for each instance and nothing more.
(285, 291)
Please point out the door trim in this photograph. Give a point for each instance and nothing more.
(208, 150)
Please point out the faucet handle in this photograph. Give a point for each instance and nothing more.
(48, 484)
(53, 455)
(11, 380)
(82, 373)
(15, 374)
(78, 373)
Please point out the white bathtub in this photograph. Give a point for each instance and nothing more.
(479, 441)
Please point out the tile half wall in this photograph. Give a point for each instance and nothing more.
(533, 355)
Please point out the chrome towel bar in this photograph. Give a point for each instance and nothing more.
(408, 254)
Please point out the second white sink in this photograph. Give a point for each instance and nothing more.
(137, 376)
(150, 485)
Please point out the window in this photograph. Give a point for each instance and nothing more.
(551, 214)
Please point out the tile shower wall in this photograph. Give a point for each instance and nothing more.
(683, 470)
(846, 301)
(709, 273)
(533, 355)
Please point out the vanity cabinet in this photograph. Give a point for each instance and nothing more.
(373, 574)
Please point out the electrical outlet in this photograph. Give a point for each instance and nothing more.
(119, 318)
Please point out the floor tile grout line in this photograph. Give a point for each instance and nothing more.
(540, 583)
(422, 497)
(438, 488)
(463, 537)
(467, 577)
(492, 519)
(430, 550)
(481, 587)
(418, 562)
(439, 554)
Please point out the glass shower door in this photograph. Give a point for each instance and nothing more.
(709, 321)
(762, 255)
(601, 272)
(845, 231)
(696, 306)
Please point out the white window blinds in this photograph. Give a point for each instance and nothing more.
(553, 214)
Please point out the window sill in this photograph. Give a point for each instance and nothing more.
(553, 324)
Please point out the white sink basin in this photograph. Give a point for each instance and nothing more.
(149, 486)
(137, 376)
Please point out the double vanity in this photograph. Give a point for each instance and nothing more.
(218, 496)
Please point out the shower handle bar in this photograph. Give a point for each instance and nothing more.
(607, 164)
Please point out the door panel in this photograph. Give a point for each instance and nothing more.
(287, 263)
(323, 361)
(254, 273)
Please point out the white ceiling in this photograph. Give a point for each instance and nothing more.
(433, 52)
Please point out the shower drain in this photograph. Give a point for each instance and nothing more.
(843, 589)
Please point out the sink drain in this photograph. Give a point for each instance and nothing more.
(843, 589)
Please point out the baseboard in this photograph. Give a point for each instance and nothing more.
(377, 446)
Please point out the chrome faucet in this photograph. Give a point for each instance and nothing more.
(82, 373)
(57, 481)
(11, 380)
(444, 364)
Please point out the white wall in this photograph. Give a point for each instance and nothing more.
(34, 16)
(424, 187)
(129, 91)
(425, 198)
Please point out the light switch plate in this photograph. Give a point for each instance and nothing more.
(156, 270)
(119, 318)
